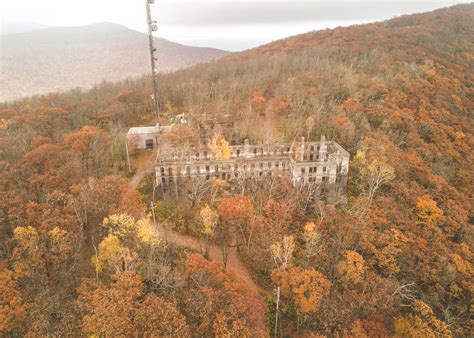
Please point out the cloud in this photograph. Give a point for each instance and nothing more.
(231, 24)
(230, 13)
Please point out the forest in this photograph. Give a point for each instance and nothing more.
(80, 255)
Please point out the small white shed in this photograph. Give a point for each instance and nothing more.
(143, 137)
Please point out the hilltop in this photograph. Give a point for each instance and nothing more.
(60, 58)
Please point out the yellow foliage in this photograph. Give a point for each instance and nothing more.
(428, 211)
(27, 255)
(109, 253)
(282, 252)
(147, 233)
(360, 156)
(220, 148)
(459, 135)
(4, 124)
(209, 220)
(119, 225)
(312, 239)
(310, 230)
(25, 235)
(422, 323)
(57, 235)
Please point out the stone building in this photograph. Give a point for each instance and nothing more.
(143, 137)
(147, 137)
(322, 164)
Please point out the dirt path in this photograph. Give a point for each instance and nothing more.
(140, 175)
(145, 164)
(269, 122)
(233, 262)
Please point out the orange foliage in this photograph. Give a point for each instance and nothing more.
(218, 303)
(307, 288)
(12, 309)
(351, 269)
(122, 309)
(235, 208)
(86, 138)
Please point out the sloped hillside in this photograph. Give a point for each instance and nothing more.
(396, 260)
(61, 58)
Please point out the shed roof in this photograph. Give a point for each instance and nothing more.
(143, 130)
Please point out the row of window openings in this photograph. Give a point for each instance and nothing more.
(256, 151)
(229, 176)
(314, 179)
(313, 157)
(277, 165)
(313, 170)
(222, 176)
(270, 165)
(238, 153)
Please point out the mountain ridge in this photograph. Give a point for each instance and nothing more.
(62, 58)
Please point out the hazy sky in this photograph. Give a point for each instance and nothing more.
(227, 24)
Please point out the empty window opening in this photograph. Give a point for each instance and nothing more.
(149, 144)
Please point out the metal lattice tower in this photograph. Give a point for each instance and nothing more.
(153, 27)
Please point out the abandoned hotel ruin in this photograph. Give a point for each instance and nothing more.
(323, 165)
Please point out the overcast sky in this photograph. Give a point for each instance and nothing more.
(226, 24)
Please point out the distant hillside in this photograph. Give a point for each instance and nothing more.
(57, 59)
(15, 27)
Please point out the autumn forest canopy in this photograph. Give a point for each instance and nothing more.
(81, 255)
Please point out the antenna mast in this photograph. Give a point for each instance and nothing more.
(153, 27)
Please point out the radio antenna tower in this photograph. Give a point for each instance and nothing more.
(153, 27)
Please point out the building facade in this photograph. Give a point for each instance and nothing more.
(147, 137)
(143, 137)
(323, 164)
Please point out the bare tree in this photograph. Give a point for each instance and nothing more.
(306, 195)
(197, 188)
(370, 175)
(282, 252)
(378, 174)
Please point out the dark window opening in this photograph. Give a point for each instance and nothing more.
(149, 144)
